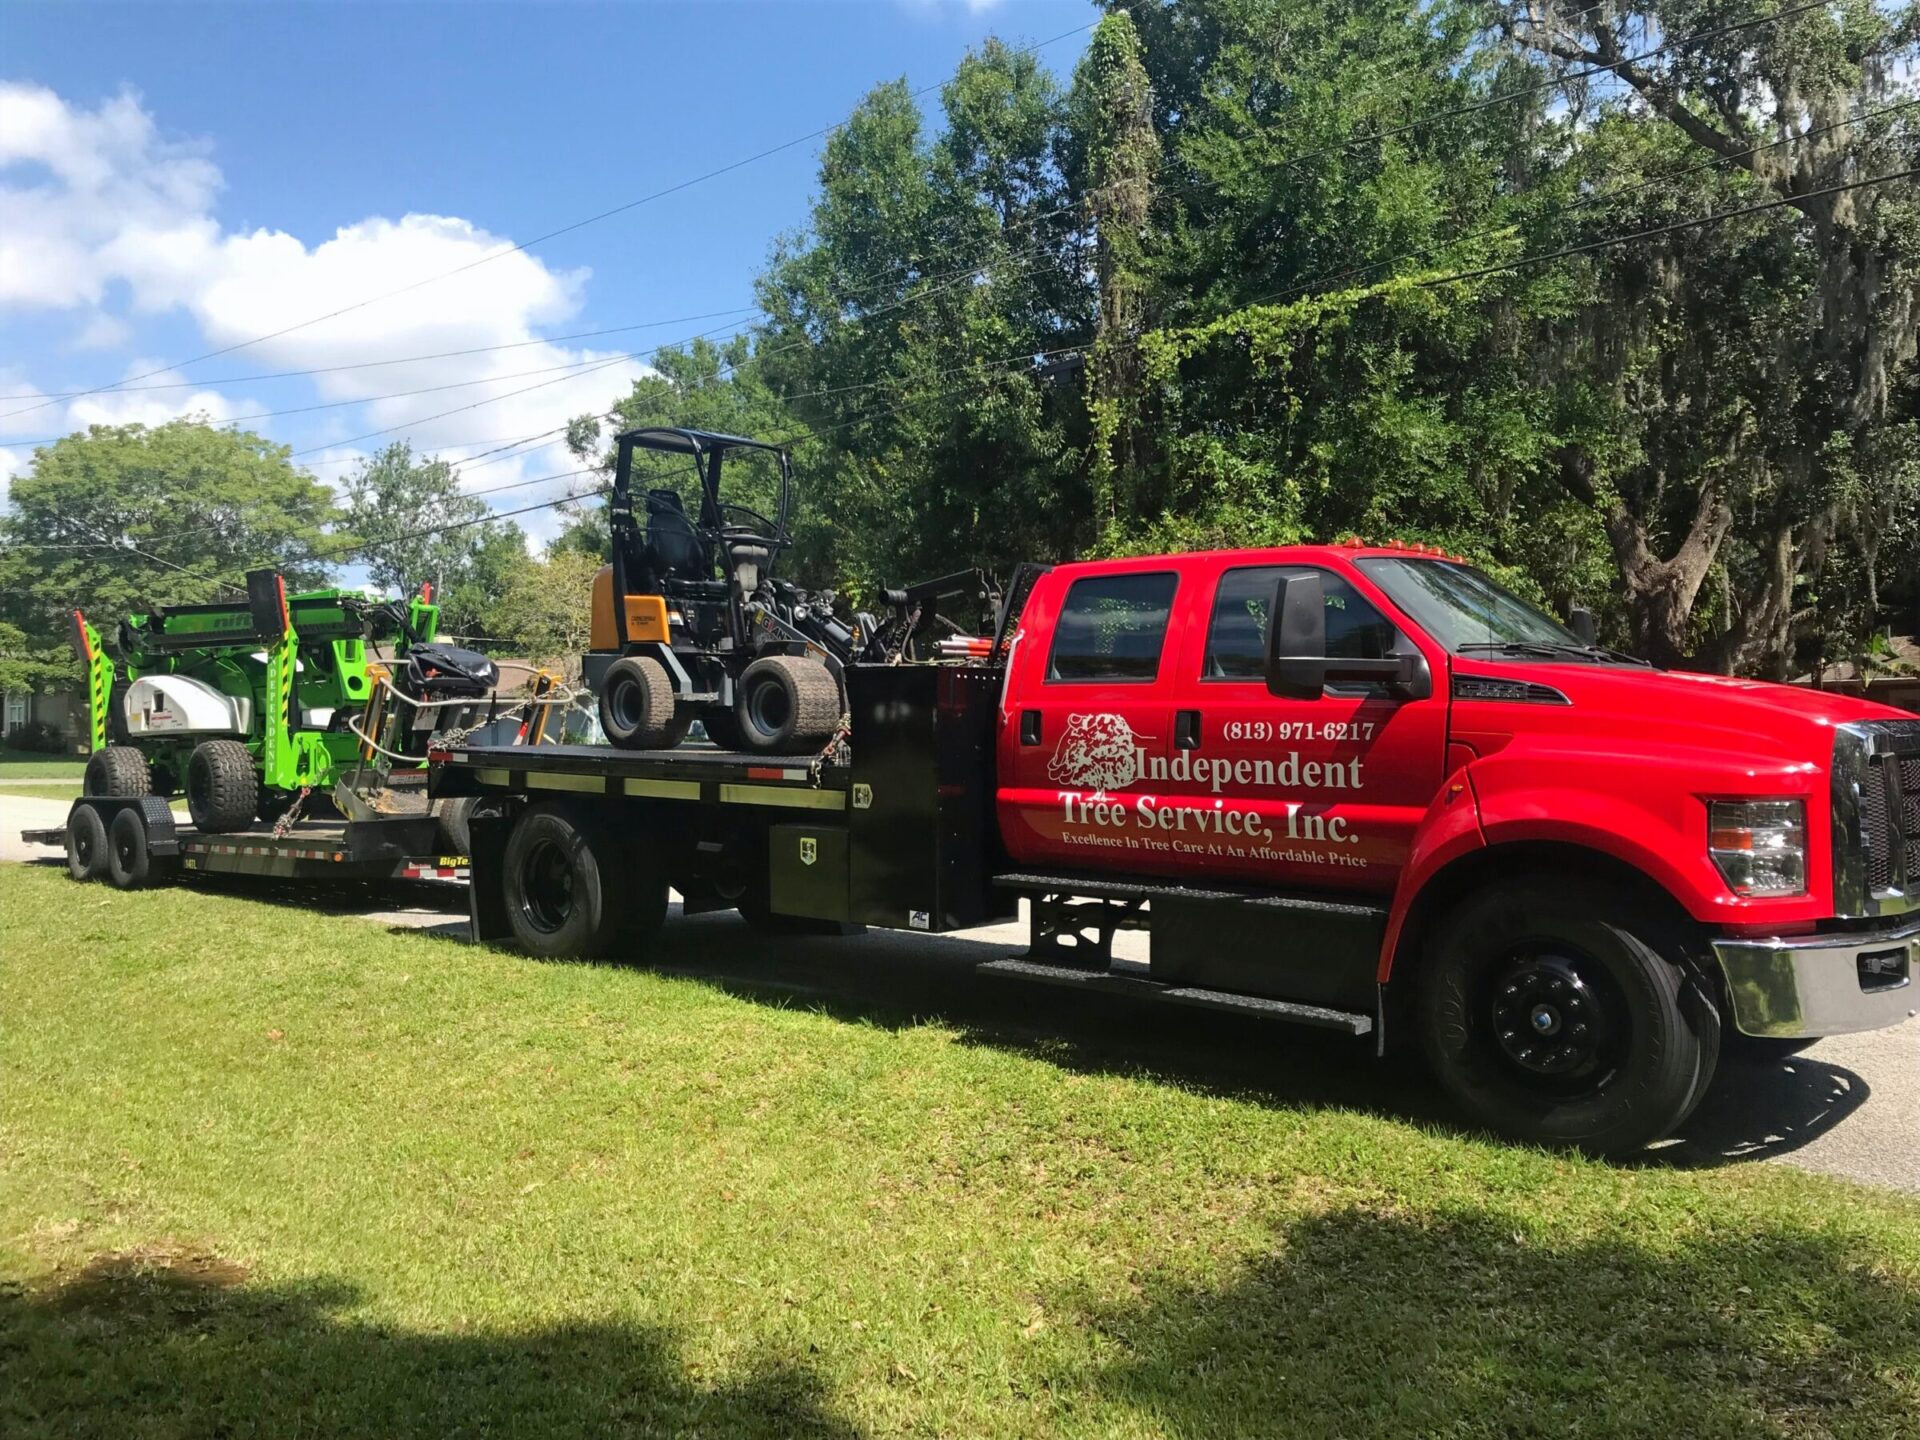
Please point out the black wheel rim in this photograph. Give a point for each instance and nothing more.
(83, 847)
(546, 899)
(1558, 1019)
(768, 708)
(623, 700)
(123, 851)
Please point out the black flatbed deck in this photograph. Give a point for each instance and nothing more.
(691, 772)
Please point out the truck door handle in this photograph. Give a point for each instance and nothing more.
(1186, 730)
(1029, 727)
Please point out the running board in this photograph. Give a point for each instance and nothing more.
(1346, 1021)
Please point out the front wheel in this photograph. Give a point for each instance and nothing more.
(1566, 1015)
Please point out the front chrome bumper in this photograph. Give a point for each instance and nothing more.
(1822, 984)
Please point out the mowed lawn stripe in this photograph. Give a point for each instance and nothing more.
(265, 1171)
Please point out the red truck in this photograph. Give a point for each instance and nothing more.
(1357, 787)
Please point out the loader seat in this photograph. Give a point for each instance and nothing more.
(674, 550)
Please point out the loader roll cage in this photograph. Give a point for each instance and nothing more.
(673, 552)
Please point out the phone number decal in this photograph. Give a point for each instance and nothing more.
(1298, 730)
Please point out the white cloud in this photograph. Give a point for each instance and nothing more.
(75, 180)
(101, 332)
(98, 197)
(150, 407)
(12, 463)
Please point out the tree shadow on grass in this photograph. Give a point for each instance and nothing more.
(1366, 1324)
(177, 1344)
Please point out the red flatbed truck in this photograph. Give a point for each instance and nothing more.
(1355, 787)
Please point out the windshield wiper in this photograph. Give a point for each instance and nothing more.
(1548, 650)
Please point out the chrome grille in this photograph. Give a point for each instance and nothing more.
(1876, 813)
(1906, 771)
(1876, 831)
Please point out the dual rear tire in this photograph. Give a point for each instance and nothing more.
(578, 886)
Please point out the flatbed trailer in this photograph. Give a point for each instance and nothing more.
(898, 833)
(134, 842)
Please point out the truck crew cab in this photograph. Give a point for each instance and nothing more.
(1357, 787)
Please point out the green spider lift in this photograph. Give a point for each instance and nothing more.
(245, 705)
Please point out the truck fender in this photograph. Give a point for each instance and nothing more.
(1449, 830)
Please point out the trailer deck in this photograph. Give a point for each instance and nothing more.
(404, 847)
(701, 773)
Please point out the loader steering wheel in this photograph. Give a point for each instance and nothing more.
(760, 528)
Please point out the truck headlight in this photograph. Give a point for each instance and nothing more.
(1760, 846)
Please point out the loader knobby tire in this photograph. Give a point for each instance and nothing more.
(787, 705)
(223, 787)
(1566, 1015)
(636, 705)
(86, 844)
(116, 770)
(129, 865)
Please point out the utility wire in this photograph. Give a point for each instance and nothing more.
(525, 245)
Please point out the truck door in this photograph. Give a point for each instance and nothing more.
(1089, 721)
(1318, 793)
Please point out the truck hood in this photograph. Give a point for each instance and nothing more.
(1755, 717)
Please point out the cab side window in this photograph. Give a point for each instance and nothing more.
(1112, 627)
(1237, 636)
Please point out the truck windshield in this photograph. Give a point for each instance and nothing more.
(1466, 611)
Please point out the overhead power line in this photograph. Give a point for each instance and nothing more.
(524, 245)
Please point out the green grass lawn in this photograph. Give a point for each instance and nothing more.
(28, 765)
(267, 1172)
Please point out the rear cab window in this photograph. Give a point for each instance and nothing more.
(1113, 628)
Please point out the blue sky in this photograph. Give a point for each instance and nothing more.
(175, 179)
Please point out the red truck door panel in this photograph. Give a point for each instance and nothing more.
(1324, 792)
(1144, 739)
(1086, 716)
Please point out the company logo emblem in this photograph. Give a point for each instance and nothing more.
(1098, 753)
(809, 850)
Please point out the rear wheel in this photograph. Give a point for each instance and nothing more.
(129, 866)
(636, 705)
(1566, 1015)
(116, 770)
(576, 889)
(86, 844)
(223, 787)
(787, 705)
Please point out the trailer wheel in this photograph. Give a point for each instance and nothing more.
(1566, 1015)
(129, 866)
(456, 831)
(223, 787)
(636, 705)
(86, 844)
(116, 770)
(565, 894)
(787, 705)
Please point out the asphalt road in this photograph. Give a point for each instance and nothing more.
(1849, 1106)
